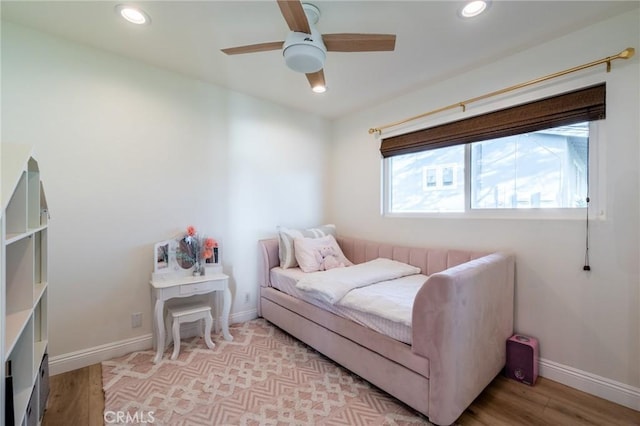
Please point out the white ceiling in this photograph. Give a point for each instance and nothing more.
(432, 41)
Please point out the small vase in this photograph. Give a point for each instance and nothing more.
(197, 269)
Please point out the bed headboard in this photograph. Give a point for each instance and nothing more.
(268, 258)
(429, 260)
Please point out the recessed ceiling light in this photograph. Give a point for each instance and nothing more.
(319, 89)
(133, 14)
(474, 8)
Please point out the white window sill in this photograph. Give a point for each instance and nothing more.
(510, 214)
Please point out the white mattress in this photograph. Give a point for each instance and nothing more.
(285, 280)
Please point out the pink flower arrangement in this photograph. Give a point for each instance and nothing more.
(209, 245)
(193, 249)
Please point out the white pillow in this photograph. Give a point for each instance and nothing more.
(309, 257)
(286, 236)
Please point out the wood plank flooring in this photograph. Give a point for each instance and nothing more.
(76, 398)
(506, 402)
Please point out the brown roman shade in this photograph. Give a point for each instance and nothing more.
(585, 104)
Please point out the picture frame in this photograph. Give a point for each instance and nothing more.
(213, 264)
(213, 259)
(164, 257)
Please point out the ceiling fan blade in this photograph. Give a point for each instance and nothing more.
(316, 78)
(359, 42)
(293, 13)
(252, 48)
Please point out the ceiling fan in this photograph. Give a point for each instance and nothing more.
(305, 49)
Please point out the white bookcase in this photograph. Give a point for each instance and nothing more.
(24, 287)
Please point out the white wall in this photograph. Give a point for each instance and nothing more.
(584, 321)
(130, 155)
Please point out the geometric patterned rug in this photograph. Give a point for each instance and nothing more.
(263, 377)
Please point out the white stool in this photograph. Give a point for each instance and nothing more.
(184, 314)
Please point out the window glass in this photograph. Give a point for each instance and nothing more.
(543, 169)
(432, 176)
(428, 181)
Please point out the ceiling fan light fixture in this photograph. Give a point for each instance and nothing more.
(133, 14)
(319, 88)
(304, 58)
(474, 8)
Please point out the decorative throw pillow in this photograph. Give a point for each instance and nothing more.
(319, 254)
(286, 237)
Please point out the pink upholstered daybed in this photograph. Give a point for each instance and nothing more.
(461, 317)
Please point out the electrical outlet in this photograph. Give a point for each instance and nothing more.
(136, 319)
(246, 297)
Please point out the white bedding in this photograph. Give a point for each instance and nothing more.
(392, 300)
(285, 280)
(332, 285)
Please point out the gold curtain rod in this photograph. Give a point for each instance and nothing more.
(625, 54)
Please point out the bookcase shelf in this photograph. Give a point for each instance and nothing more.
(24, 249)
(21, 359)
(14, 326)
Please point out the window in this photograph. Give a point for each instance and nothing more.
(431, 177)
(448, 178)
(530, 156)
(543, 169)
(438, 177)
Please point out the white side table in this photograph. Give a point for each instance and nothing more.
(184, 286)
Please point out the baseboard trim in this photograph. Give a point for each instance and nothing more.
(243, 316)
(608, 389)
(85, 357)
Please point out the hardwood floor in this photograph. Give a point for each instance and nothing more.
(506, 402)
(76, 398)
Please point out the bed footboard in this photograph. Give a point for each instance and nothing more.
(462, 318)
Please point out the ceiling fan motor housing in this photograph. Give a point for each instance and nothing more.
(303, 52)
